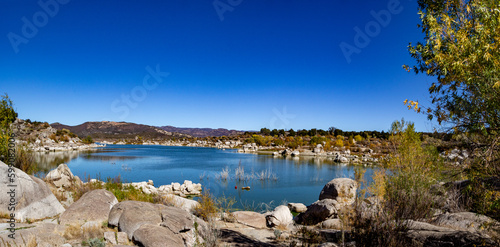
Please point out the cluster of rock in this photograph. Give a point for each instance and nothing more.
(61, 146)
(185, 189)
(147, 224)
(227, 144)
(38, 138)
(249, 148)
(457, 156)
(336, 195)
(337, 156)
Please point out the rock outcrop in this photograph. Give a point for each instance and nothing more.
(93, 206)
(33, 197)
(153, 224)
(62, 177)
(250, 218)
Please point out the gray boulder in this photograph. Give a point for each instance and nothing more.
(162, 223)
(297, 207)
(425, 234)
(33, 196)
(61, 176)
(341, 189)
(319, 211)
(332, 224)
(156, 236)
(94, 205)
(467, 221)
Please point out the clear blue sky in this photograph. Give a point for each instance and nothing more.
(237, 64)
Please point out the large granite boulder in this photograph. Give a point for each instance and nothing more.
(150, 224)
(281, 216)
(341, 189)
(94, 206)
(157, 236)
(425, 234)
(34, 198)
(319, 211)
(61, 177)
(467, 221)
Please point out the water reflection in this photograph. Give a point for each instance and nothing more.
(47, 161)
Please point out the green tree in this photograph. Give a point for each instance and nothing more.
(265, 131)
(7, 116)
(462, 51)
(7, 113)
(88, 140)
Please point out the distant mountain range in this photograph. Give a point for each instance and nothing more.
(202, 132)
(124, 130)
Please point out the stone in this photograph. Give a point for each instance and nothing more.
(149, 235)
(250, 218)
(145, 187)
(332, 224)
(426, 234)
(176, 186)
(94, 205)
(295, 153)
(165, 188)
(130, 215)
(467, 221)
(319, 211)
(182, 223)
(110, 237)
(343, 190)
(146, 223)
(122, 238)
(297, 207)
(181, 202)
(61, 176)
(35, 199)
(281, 216)
(45, 234)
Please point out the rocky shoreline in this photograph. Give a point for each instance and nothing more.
(42, 219)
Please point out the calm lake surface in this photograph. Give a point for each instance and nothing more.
(298, 179)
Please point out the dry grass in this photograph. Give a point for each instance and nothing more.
(94, 231)
(31, 242)
(73, 231)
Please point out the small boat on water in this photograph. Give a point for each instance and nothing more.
(245, 188)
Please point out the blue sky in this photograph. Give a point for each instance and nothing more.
(236, 64)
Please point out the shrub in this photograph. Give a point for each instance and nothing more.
(339, 143)
(88, 140)
(207, 208)
(358, 138)
(403, 191)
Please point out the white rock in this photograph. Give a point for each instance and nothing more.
(280, 216)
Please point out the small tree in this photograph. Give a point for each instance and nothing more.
(88, 140)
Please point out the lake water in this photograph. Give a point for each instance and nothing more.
(298, 179)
